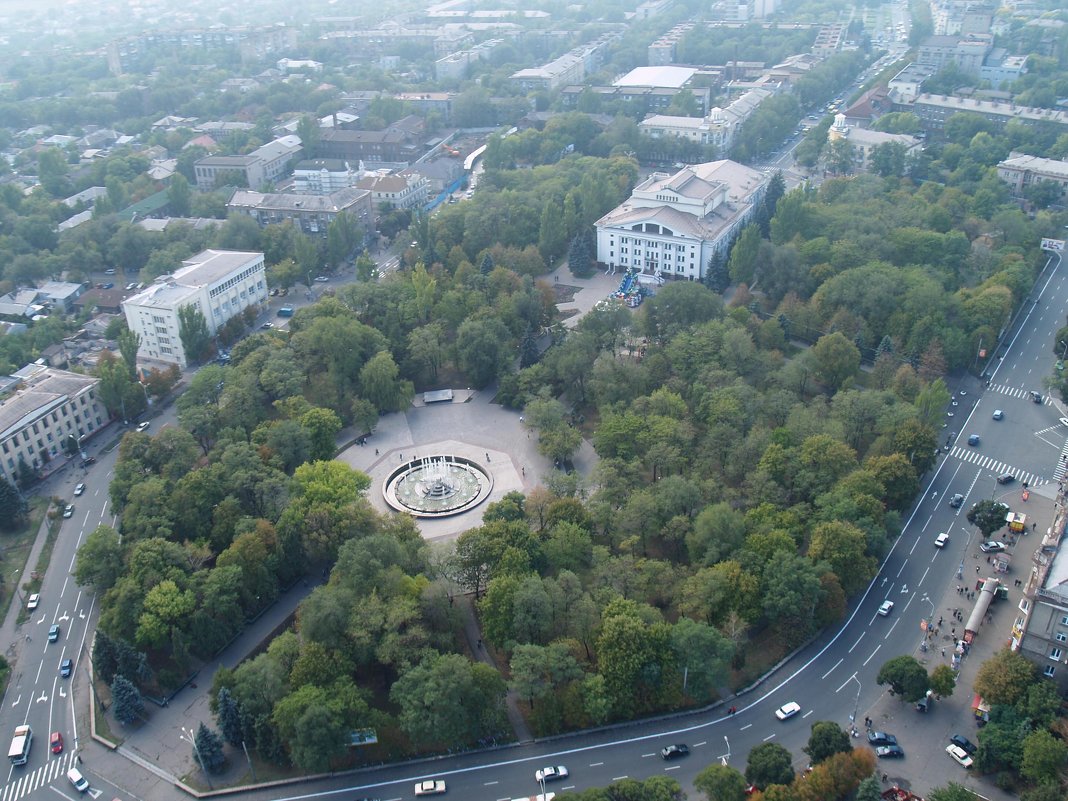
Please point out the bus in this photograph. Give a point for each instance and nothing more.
(19, 751)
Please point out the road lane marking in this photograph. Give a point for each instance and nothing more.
(596, 764)
(489, 784)
(769, 737)
(807, 714)
(861, 637)
(746, 726)
(829, 672)
(647, 755)
(698, 745)
(873, 653)
(619, 778)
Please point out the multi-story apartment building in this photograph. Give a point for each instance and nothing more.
(672, 225)
(864, 141)
(263, 165)
(220, 283)
(40, 407)
(312, 214)
(934, 110)
(1021, 171)
(572, 67)
(406, 189)
(324, 176)
(719, 128)
(251, 43)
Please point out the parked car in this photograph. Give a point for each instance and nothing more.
(550, 774)
(787, 710)
(142, 427)
(886, 608)
(68, 511)
(53, 633)
(676, 751)
(877, 738)
(956, 501)
(109, 271)
(55, 742)
(959, 755)
(131, 286)
(78, 490)
(35, 599)
(88, 460)
(430, 787)
(993, 546)
(889, 752)
(964, 744)
(322, 279)
(267, 325)
(66, 667)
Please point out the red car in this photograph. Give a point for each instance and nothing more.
(56, 741)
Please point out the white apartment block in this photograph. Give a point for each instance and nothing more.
(39, 408)
(263, 165)
(324, 176)
(719, 128)
(406, 189)
(220, 283)
(864, 140)
(672, 225)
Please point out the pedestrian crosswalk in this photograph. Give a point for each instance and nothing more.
(1016, 392)
(996, 467)
(22, 784)
(1062, 464)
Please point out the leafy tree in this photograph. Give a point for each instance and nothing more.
(99, 562)
(381, 383)
(1005, 677)
(449, 699)
(193, 331)
(322, 426)
(1044, 757)
(835, 360)
(869, 790)
(769, 763)
(126, 703)
(720, 783)
(209, 749)
(705, 652)
(742, 263)
(483, 347)
(943, 681)
(905, 676)
(827, 739)
(988, 516)
(129, 344)
(952, 792)
(13, 508)
(179, 196)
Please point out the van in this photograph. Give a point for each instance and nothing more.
(285, 311)
(75, 777)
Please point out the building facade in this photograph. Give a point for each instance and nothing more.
(324, 176)
(312, 214)
(220, 283)
(1021, 172)
(672, 225)
(406, 189)
(40, 407)
(864, 141)
(263, 165)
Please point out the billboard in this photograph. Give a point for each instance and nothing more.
(1056, 245)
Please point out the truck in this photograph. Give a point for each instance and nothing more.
(19, 751)
(1017, 522)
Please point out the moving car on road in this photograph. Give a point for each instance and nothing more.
(69, 510)
(66, 667)
(78, 490)
(941, 540)
(787, 710)
(676, 751)
(430, 787)
(956, 501)
(998, 414)
(75, 777)
(973, 440)
(55, 742)
(53, 634)
(142, 427)
(886, 608)
(550, 774)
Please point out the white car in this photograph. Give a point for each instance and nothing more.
(35, 599)
(142, 427)
(941, 540)
(78, 490)
(430, 787)
(69, 511)
(787, 710)
(886, 608)
(550, 774)
(959, 755)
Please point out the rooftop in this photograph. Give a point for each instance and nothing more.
(42, 388)
(667, 76)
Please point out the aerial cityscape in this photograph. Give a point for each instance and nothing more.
(635, 401)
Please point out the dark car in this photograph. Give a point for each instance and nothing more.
(876, 738)
(964, 744)
(53, 634)
(956, 501)
(88, 460)
(1007, 478)
(676, 751)
(973, 440)
(1036, 397)
(66, 667)
(889, 752)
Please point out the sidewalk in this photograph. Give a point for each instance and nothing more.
(156, 743)
(924, 736)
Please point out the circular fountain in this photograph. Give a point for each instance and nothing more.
(437, 486)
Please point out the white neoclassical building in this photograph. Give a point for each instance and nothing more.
(672, 225)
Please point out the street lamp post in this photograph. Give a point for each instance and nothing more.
(187, 735)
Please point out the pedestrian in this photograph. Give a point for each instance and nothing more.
(1034, 526)
(884, 778)
(953, 631)
(524, 471)
(400, 456)
(480, 642)
(977, 566)
(487, 457)
(939, 621)
(943, 653)
(376, 451)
